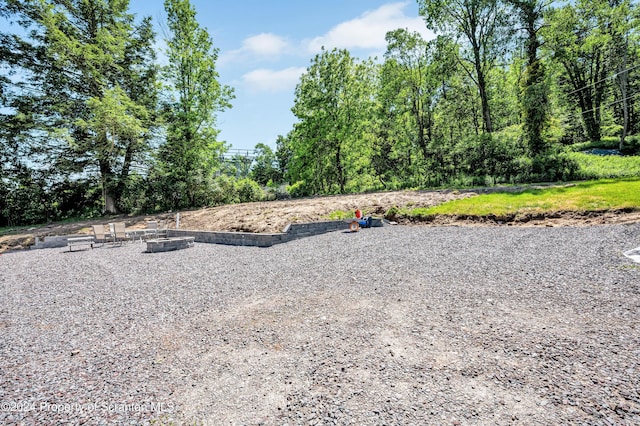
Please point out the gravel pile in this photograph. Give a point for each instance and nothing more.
(396, 325)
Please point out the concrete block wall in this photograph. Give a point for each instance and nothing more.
(291, 232)
(230, 238)
(299, 230)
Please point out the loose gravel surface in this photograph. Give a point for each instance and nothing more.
(395, 325)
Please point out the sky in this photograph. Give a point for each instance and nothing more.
(266, 45)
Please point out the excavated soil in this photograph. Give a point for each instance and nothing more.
(274, 216)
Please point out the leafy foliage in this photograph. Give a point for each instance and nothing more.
(601, 167)
(505, 94)
(333, 101)
(190, 155)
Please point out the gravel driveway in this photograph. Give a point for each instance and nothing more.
(396, 325)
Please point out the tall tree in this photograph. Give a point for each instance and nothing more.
(410, 73)
(576, 37)
(535, 90)
(284, 154)
(191, 153)
(480, 25)
(624, 19)
(411, 83)
(265, 167)
(332, 102)
(82, 57)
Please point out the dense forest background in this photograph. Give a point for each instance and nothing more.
(510, 91)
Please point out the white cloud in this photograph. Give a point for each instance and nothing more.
(368, 30)
(266, 80)
(265, 44)
(261, 46)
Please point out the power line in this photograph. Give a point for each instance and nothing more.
(604, 79)
(573, 114)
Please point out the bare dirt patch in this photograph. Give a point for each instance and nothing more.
(270, 216)
(274, 216)
(559, 218)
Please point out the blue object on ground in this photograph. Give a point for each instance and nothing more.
(600, 151)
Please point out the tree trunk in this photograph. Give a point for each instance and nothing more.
(340, 169)
(482, 90)
(126, 168)
(484, 99)
(623, 81)
(418, 114)
(109, 196)
(625, 113)
(535, 97)
(588, 100)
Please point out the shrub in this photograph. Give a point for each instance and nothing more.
(224, 191)
(298, 189)
(248, 190)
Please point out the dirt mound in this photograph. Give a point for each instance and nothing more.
(274, 216)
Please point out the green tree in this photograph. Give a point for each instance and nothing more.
(192, 152)
(577, 38)
(284, 155)
(481, 25)
(624, 17)
(411, 75)
(534, 98)
(265, 166)
(77, 57)
(332, 103)
(411, 84)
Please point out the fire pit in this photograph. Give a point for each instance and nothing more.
(169, 244)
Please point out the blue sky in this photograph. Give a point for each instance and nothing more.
(266, 46)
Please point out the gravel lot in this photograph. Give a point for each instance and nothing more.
(396, 325)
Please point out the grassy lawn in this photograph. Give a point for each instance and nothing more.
(604, 167)
(599, 195)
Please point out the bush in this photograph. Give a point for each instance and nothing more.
(554, 166)
(489, 158)
(248, 190)
(298, 189)
(277, 192)
(224, 191)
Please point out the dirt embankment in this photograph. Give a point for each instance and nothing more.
(274, 216)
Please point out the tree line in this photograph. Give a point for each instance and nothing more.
(496, 97)
(92, 124)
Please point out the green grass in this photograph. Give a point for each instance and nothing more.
(604, 167)
(597, 195)
(340, 215)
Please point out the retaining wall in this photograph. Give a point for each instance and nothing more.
(291, 232)
(230, 238)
